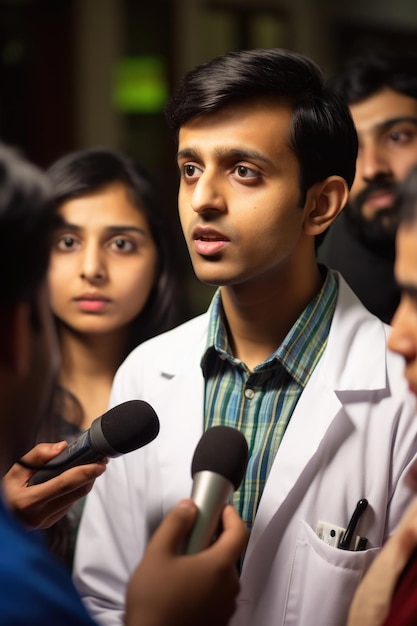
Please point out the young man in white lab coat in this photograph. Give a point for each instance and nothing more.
(286, 354)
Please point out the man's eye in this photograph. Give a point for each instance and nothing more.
(189, 170)
(402, 136)
(243, 171)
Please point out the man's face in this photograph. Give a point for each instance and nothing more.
(386, 124)
(403, 338)
(239, 197)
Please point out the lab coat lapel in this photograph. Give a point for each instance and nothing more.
(314, 413)
(339, 380)
(180, 397)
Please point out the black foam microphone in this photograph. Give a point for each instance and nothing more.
(123, 428)
(218, 466)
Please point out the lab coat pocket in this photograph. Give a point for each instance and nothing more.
(323, 580)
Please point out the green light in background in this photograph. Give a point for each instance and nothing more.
(140, 85)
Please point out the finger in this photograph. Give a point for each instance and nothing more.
(234, 538)
(174, 527)
(43, 515)
(43, 452)
(67, 482)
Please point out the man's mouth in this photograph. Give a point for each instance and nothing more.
(209, 242)
(380, 199)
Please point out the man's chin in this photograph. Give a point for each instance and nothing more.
(377, 234)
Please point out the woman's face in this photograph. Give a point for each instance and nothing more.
(104, 262)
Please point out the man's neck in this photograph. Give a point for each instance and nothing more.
(258, 319)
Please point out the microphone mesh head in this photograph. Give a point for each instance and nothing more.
(222, 450)
(130, 425)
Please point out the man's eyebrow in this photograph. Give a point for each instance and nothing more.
(392, 121)
(244, 155)
(187, 153)
(222, 153)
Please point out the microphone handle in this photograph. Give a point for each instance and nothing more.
(79, 452)
(210, 493)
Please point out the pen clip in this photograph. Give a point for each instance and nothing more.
(353, 522)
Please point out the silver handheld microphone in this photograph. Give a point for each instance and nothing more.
(218, 466)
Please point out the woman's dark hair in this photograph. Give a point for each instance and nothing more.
(84, 172)
(323, 136)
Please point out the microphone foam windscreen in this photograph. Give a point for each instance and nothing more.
(130, 425)
(222, 450)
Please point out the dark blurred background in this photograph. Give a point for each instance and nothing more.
(81, 73)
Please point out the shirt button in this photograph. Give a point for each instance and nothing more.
(249, 394)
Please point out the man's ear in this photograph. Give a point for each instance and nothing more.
(324, 202)
(15, 340)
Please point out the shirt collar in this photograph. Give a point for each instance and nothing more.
(304, 343)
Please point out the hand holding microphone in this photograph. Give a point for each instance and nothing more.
(160, 586)
(172, 588)
(123, 428)
(218, 466)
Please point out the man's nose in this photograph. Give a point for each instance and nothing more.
(208, 194)
(373, 162)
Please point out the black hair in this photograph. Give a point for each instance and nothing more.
(365, 74)
(84, 172)
(323, 136)
(27, 218)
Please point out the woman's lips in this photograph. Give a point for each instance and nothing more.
(91, 304)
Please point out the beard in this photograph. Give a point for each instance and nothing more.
(377, 233)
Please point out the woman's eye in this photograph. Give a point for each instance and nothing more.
(65, 243)
(122, 244)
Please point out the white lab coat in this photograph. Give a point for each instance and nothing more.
(351, 436)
